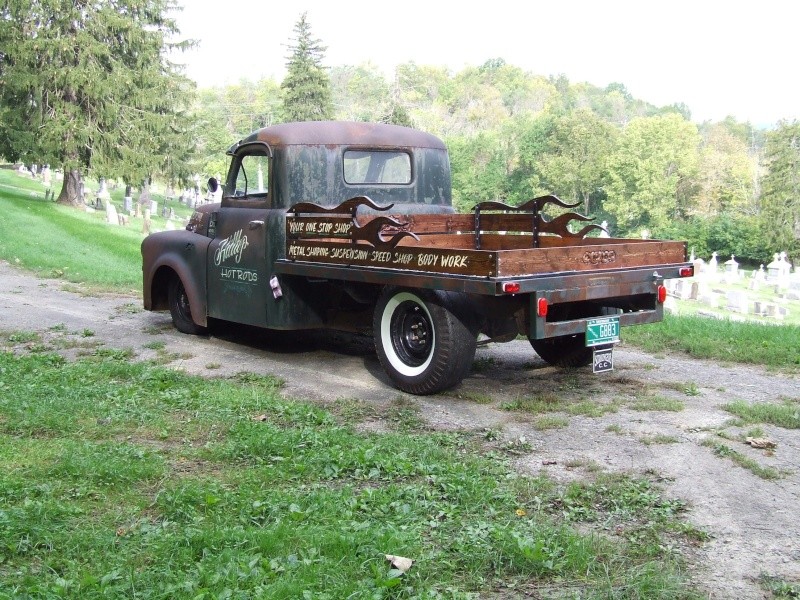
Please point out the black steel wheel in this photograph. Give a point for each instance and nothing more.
(180, 310)
(422, 345)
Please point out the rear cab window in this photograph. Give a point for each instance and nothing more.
(388, 167)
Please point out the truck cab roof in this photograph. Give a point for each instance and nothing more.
(328, 162)
(341, 133)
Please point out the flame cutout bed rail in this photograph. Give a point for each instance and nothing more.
(382, 232)
(539, 223)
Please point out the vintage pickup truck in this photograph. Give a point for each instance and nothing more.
(350, 226)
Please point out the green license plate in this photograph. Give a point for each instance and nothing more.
(604, 330)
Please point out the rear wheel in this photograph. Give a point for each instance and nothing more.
(422, 345)
(180, 310)
(564, 351)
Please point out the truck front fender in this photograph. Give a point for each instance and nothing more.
(168, 254)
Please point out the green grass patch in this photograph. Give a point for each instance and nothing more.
(779, 588)
(656, 402)
(741, 342)
(650, 440)
(549, 402)
(720, 449)
(550, 422)
(785, 415)
(122, 479)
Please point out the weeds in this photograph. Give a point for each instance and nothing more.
(725, 451)
(786, 414)
(550, 422)
(779, 588)
(658, 439)
(656, 402)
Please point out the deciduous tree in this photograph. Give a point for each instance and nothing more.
(579, 148)
(652, 174)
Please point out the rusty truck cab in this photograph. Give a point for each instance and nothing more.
(270, 170)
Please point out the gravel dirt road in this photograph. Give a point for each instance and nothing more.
(753, 523)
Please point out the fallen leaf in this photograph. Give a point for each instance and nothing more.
(762, 443)
(260, 418)
(401, 563)
(520, 512)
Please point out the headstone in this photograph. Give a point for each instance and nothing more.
(138, 214)
(699, 267)
(682, 290)
(709, 299)
(694, 292)
(671, 305)
(712, 266)
(784, 270)
(737, 302)
(153, 207)
(146, 224)
(170, 225)
(127, 204)
(103, 193)
(111, 214)
(604, 232)
(774, 269)
(759, 308)
(731, 270)
(124, 219)
(47, 176)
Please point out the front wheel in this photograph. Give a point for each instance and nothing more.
(180, 310)
(421, 344)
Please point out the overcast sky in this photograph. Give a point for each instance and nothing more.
(719, 58)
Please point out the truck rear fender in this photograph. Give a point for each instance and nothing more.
(180, 254)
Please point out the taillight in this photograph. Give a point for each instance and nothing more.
(541, 307)
(662, 294)
(511, 287)
(686, 272)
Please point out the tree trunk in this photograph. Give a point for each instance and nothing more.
(72, 189)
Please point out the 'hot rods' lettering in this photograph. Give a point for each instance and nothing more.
(231, 246)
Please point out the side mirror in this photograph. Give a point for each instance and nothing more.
(213, 185)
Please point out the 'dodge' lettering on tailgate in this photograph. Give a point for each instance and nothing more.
(599, 257)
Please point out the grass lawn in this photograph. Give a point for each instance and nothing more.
(62, 242)
(132, 480)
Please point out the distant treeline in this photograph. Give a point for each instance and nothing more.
(512, 135)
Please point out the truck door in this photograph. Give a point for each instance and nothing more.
(238, 285)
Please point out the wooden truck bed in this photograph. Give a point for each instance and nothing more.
(496, 241)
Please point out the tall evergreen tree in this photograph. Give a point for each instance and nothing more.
(87, 85)
(781, 189)
(307, 86)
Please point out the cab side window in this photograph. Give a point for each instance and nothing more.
(252, 179)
